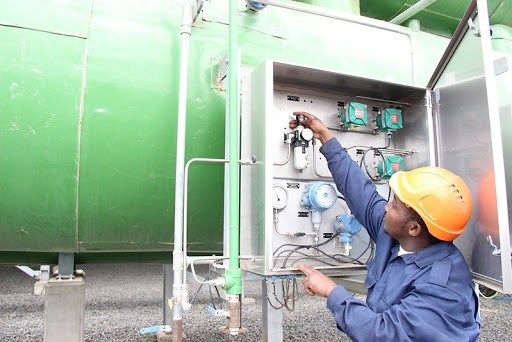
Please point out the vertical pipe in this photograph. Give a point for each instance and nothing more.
(233, 273)
(177, 262)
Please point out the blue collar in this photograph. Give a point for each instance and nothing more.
(426, 256)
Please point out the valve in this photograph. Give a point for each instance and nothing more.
(255, 5)
(299, 139)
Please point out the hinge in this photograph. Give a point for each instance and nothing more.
(429, 99)
(433, 98)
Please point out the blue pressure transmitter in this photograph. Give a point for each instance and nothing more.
(319, 196)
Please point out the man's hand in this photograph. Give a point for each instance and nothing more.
(315, 282)
(319, 129)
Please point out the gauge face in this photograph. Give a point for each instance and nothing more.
(307, 134)
(280, 197)
(325, 196)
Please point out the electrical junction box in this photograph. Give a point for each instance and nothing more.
(389, 120)
(288, 216)
(437, 129)
(389, 166)
(354, 114)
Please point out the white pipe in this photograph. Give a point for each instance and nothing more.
(411, 11)
(370, 22)
(177, 262)
(185, 208)
(287, 157)
(187, 259)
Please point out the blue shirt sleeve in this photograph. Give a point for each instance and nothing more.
(360, 193)
(428, 305)
(415, 318)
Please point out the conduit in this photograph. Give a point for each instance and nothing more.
(233, 275)
(177, 262)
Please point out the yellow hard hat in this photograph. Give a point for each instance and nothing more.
(441, 198)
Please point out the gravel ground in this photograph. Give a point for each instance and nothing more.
(121, 299)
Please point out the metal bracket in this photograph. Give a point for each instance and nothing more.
(500, 66)
(222, 73)
(66, 265)
(199, 8)
(476, 32)
(43, 273)
(472, 27)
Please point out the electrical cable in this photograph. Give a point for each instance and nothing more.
(297, 247)
(286, 293)
(311, 257)
(305, 246)
(306, 256)
(195, 294)
(366, 166)
(366, 249)
(334, 258)
(372, 251)
(221, 304)
(275, 296)
(353, 260)
(296, 250)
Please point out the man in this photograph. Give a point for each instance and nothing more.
(419, 285)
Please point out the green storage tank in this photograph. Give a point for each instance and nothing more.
(88, 114)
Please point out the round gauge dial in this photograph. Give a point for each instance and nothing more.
(280, 197)
(307, 134)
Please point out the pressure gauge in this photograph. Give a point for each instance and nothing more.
(320, 196)
(306, 134)
(280, 197)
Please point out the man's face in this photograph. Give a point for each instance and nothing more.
(397, 215)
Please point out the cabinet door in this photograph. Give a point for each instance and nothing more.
(468, 141)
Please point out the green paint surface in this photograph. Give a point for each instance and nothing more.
(39, 108)
(99, 179)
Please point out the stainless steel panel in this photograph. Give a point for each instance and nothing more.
(468, 136)
(270, 95)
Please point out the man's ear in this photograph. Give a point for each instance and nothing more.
(413, 228)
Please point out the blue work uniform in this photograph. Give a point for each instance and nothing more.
(423, 296)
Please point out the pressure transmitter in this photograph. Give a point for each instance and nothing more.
(318, 197)
(347, 226)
